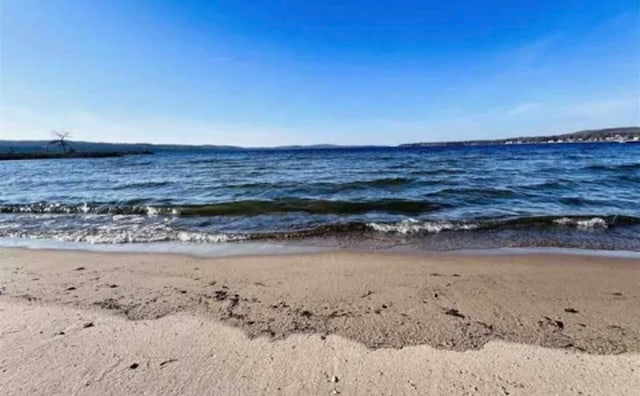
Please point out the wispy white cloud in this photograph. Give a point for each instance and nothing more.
(605, 108)
(525, 108)
(530, 53)
(521, 119)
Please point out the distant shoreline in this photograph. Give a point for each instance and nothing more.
(607, 135)
(40, 155)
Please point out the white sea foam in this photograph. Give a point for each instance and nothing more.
(410, 226)
(122, 234)
(201, 237)
(594, 222)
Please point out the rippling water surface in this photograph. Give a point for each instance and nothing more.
(580, 195)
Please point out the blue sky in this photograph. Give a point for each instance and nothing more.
(258, 73)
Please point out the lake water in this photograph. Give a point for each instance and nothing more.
(440, 198)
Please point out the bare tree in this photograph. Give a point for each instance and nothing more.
(61, 140)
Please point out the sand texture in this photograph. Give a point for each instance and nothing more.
(353, 323)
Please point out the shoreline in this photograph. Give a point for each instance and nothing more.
(280, 248)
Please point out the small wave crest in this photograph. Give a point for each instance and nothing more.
(382, 182)
(614, 167)
(141, 185)
(474, 193)
(412, 226)
(592, 223)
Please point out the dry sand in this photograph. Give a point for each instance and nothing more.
(95, 323)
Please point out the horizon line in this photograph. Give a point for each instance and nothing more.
(335, 145)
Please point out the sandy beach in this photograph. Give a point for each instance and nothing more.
(329, 323)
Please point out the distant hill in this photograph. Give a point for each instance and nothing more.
(31, 146)
(622, 134)
(316, 147)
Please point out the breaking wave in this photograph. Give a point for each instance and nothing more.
(118, 229)
(412, 226)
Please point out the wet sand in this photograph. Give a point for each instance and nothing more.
(380, 323)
